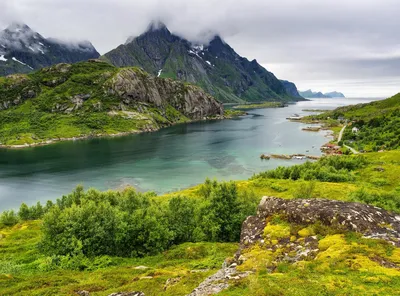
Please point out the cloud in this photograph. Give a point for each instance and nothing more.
(300, 40)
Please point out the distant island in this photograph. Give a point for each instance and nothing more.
(309, 94)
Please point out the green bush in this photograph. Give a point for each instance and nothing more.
(131, 224)
(9, 218)
(389, 201)
(327, 169)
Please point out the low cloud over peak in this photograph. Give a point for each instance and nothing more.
(303, 41)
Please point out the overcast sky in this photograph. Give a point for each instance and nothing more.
(346, 45)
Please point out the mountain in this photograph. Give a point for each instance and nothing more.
(309, 94)
(215, 66)
(94, 98)
(319, 95)
(291, 89)
(23, 50)
(335, 94)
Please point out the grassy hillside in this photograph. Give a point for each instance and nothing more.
(53, 254)
(92, 99)
(378, 124)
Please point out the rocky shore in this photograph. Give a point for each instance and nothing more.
(289, 157)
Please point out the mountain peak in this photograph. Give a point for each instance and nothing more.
(217, 39)
(157, 28)
(156, 25)
(18, 27)
(23, 50)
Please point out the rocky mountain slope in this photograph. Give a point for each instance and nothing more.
(291, 89)
(94, 98)
(309, 94)
(215, 66)
(23, 50)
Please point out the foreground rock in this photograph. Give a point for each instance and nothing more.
(371, 221)
(220, 280)
(86, 293)
(318, 233)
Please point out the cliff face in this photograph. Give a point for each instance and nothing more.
(132, 87)
(215, 66)
(291, 89)
(96, 98)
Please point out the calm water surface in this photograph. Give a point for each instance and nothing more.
(170, 159)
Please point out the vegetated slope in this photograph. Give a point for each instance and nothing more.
(377, 124)
(23, 50)
(304, 247)
(216, 67)
(94, 98)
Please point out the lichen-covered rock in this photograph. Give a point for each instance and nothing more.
(86, 293)
(127, 294)
(219, 281)
(371, 221)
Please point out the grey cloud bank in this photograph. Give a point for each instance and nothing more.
(350, 46)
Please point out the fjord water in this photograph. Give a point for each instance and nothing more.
(170, 159)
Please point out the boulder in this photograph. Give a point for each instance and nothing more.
(372, 222)
(87, 293)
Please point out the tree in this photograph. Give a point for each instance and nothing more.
(24, 212)
(295, 175)
(181, 212)
(220, 218)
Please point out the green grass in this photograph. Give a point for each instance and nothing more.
(344, 265)
(23, 270)
(259, 106)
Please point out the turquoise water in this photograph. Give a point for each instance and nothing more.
(170, 159)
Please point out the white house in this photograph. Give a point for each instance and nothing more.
(354, 130)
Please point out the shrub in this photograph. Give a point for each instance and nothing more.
(305, 190)
(129, 223)
(389, 201)
(9, 218)
(327, 169)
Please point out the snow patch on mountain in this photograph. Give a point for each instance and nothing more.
(22, 63)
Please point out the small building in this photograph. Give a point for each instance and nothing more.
(354, 130)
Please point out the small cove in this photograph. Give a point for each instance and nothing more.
(167, 160)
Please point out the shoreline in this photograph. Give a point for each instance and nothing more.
(99, 136)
